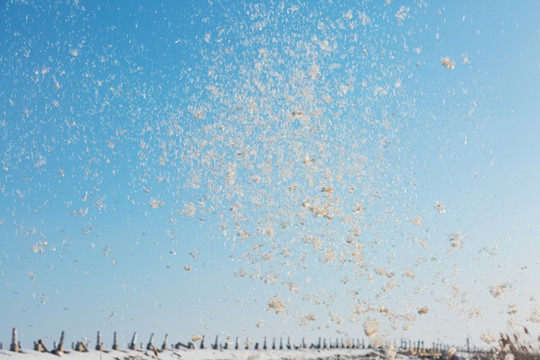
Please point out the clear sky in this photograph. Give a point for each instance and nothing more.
(269, 168)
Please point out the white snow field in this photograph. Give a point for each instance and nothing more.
(297, 354)
(203, 354)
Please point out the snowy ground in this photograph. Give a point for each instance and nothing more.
(205, 354)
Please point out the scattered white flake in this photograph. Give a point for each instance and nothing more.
(276, 304)
(196, 338)
(456, 240)
(488, 338)
(448, 63)
(156, 203)
(391, 351)
(189, 209)
(292, 286)
(498, 289)
(440, 207)
(422, 310)
(371, 327)
(402, 13)
(41, 160)
(535, 315)
(409, 273)
(309, 317)
(364, 18)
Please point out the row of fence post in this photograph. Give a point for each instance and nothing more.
(418, 347)
(81, 346)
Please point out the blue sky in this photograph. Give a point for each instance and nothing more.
(186, 162)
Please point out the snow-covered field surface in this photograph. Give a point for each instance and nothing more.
(206, 354)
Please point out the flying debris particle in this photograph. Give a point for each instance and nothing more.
(156, 203)
(364, 18)
(106, 251)
(39, 247)
(86, 231)
(196, 338)
(391, 351)
(314, 72)
(498, 290)
(43, 299)
(42, 160)
(307, 318)
(292, 286)
(187, 267)
(535, 315)
(276, 304)
(189, 209)
(488, 338)
(422, 310)
(440, 207)
(402, 13)
(259, 323)
(317, 243)
(409, 273)
(308, 160)
(358, 209)
(456, 240)
(371, 327)
(448, 63)
(417, 220)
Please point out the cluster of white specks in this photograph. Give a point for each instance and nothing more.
(456, 240)
(535, 314)
(448, 63)
(499, 289)
(283, 130)
(488, 338)
(276, 304)
(371, 327)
